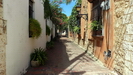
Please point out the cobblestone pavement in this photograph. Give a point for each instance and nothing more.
(67, 58)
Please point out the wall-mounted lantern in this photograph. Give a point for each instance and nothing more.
(78, 8)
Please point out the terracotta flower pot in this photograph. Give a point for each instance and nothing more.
(94, 32)
(99, 32)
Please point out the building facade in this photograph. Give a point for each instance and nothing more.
(113, 46)
(15, 43)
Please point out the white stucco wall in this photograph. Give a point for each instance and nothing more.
(39, 15)
(49, 23)
(53, 30)
(19, 45)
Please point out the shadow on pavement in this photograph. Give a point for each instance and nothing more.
(58, 61)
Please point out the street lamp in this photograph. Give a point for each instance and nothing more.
(78, 8)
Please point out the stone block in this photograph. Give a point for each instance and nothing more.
(128, 10)
(126, 19)
(2, 57)
(128, 37)
(2, 72)
(129, 29)
(131, 10)
(128, 64)
(126, 71)
(1, 31)
(130, 73)
(1, 12)
(4, 26)
(1, 23)
(131, 2)
(2, 40)
(2, 66)
(131, 56)
(127, 55)
(2, 49)
(127, 45)
(127, 4)
(132, 18)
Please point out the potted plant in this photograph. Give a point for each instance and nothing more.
(38, 57)
(96, 28)
(34, 28)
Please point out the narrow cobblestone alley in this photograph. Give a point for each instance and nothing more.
(67, 58)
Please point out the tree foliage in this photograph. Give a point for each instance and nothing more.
(58, 18)
(47, 9)
(66, 1)
(73, 21)
(53, 11)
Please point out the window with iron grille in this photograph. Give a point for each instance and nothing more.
(97, 14)
(31, 9)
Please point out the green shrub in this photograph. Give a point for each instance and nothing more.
(39, 55)
(34, 28)
(76, 29)
(49, 44)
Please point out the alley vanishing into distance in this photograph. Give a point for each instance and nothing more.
(67, 58)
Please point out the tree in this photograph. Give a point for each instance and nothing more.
(53, 11)
(66, 1)
(73, 20)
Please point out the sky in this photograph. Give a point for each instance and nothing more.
(67, 9)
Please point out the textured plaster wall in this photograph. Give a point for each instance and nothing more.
(124, 37)
(19, 45)
(3, 41)
(39, 15)
(83, 42)
(86, 9)
(50, 24)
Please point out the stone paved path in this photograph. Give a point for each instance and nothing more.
(67, 58)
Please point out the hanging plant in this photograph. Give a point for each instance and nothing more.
(48, 30)
(34, 28)
(95, 25)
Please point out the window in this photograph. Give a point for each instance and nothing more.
(97, 16)
(96, 11)
(31, 9)
(30, 14)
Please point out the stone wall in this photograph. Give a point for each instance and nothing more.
(84, 42)
(2, 42)
(123, 37)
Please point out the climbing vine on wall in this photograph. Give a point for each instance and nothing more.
(47, 9)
